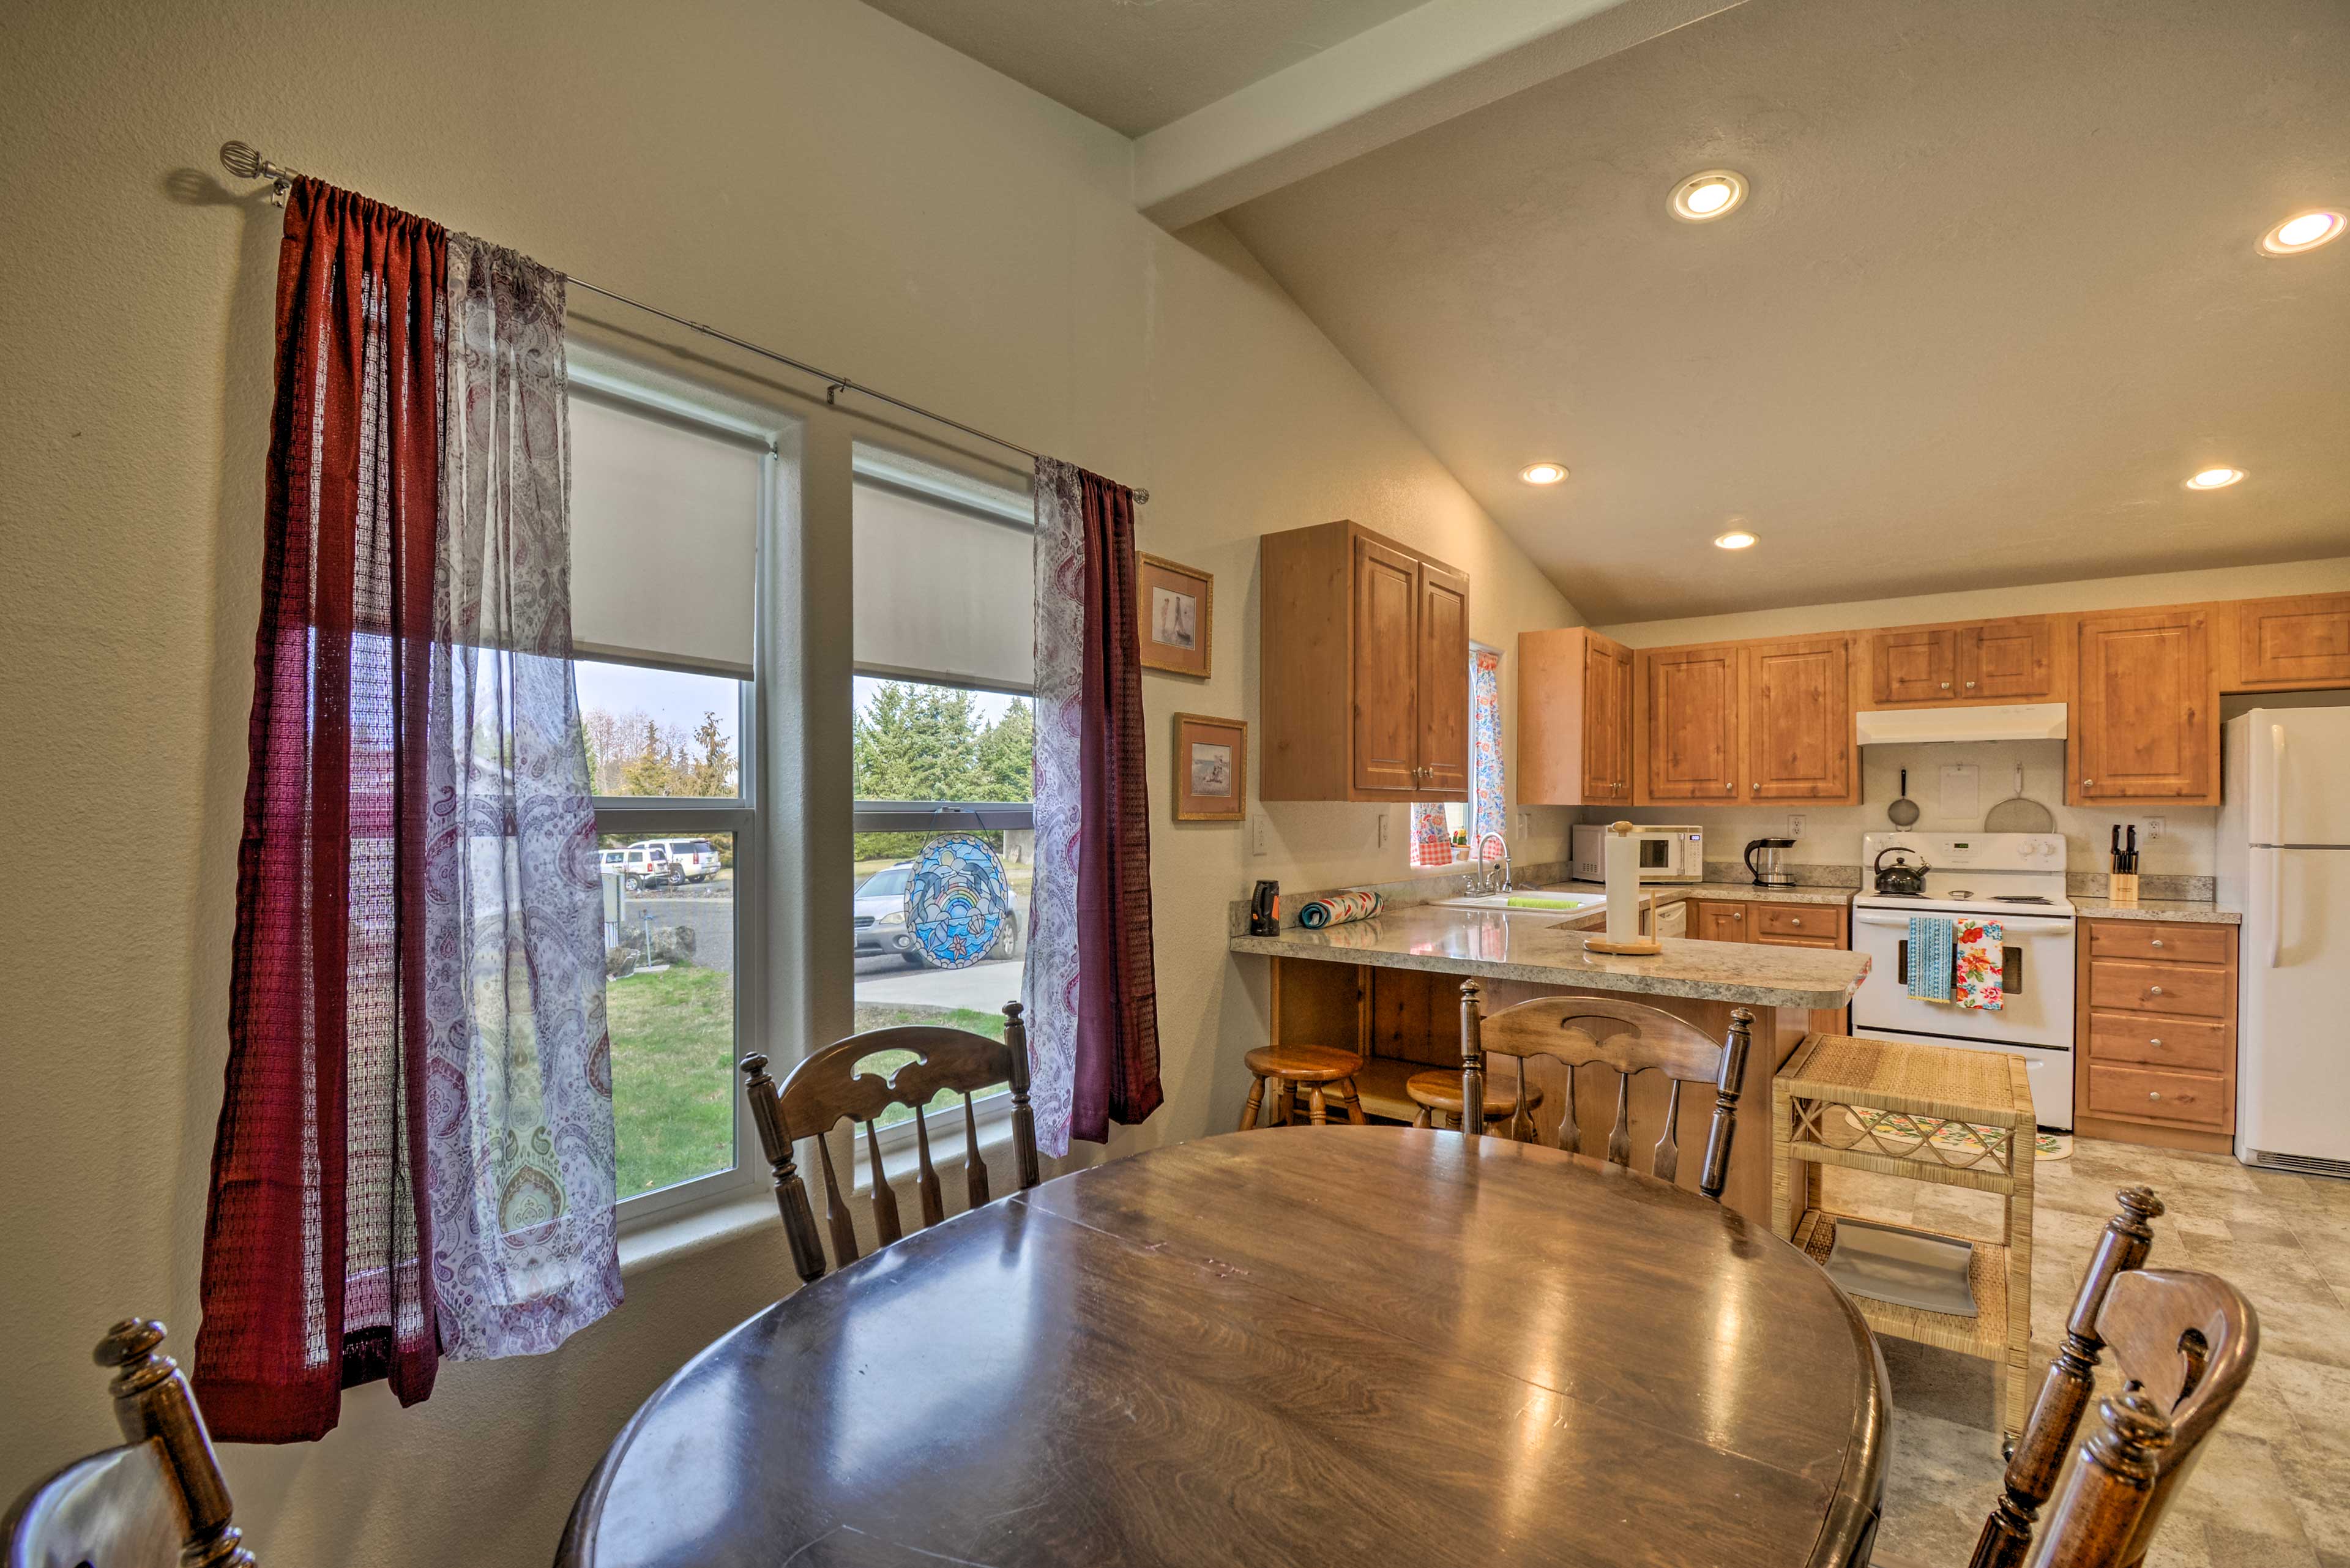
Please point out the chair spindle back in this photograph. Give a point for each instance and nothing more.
(826, 1088)
(1578, 1031)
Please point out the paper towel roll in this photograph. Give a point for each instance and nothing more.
(1622, 859)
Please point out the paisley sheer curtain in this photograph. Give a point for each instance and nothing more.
(519, 1061)
(1089, 989)
(414, 1157)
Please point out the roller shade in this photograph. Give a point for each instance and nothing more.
(943, 591)
(664, 538)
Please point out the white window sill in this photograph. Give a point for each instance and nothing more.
(725, 1217)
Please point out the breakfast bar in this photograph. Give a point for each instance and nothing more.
(1388, 989)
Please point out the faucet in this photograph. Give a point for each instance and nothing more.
(1487, 885)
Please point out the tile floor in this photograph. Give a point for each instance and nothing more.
(2272, 1487)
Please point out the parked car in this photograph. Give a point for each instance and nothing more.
(611, 862)
(693, 859)
(880, 917)
(648, 865)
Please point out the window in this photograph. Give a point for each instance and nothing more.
(1443, 834)
(944, 742)
(667, 505)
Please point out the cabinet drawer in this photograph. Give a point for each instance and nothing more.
(2160, 988)
(2173, 1043)
(1772, 938)
(2149, 1094)
(2169, 944)
(1797, 920)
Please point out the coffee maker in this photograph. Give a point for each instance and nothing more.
(1765, 864)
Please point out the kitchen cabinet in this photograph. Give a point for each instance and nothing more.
(1715, 920)
(1575, 719)
(1365, 691)
(2145, 716)
(2156, 1033)
(1976, 661)
(1687, 724)
(1768, 924)
(2286, 644)
(1800, 743)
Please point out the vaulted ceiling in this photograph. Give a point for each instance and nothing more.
(1994, 295)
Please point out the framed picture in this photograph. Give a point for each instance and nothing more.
(1176, 606)
(1210, 768)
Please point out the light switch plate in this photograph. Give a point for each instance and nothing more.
(1383, 828)
(1256, 833)
(1525, 825)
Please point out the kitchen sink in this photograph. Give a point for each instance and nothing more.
(1527, 900)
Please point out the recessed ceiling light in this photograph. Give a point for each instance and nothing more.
(1543, 473)
(1708, 195)
(1736, 539)
(2303, 231)
(2215, 479)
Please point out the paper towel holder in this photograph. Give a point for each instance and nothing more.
(1622, 879)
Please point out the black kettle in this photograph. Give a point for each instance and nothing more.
(1903, 879)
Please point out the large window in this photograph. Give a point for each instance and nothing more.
(1445, 832)
(944, 841)
(668, 504)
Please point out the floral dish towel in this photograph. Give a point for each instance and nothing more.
(1982, 964)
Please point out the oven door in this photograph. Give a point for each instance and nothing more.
(2036, 1006)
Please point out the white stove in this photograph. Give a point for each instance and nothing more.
(2014, 878)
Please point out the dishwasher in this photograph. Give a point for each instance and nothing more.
(1672, 920)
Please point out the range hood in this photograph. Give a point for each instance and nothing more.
(1912, 726)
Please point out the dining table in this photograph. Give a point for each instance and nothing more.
(1290, 1345)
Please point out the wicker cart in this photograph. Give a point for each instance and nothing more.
(1962, 1118)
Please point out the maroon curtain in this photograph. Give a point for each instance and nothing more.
(1118, 991)
(317, 1216)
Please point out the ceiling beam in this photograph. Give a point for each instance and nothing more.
(1418, 69)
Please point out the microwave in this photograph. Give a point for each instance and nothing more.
(1665, 854)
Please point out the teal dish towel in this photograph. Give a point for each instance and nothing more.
(1338, 909)
(1931, 948)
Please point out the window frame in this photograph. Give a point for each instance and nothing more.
(743, 815)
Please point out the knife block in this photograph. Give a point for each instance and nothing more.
(2123, 892)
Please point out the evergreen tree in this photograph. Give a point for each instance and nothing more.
(653, 768)
(1007, 755)
(711, 771)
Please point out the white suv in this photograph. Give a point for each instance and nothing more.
(687, 859)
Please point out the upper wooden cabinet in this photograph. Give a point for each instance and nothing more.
(1687, 724)
(1798, 733)
(2145, 718)
(1974, 662)
(2279, 645)
(1364, 649)
(1575, 719)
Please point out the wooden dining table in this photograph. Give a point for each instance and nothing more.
(1294, 1346)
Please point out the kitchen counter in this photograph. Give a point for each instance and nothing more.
(2158, 909)
(1746, 892)
(1537, 946)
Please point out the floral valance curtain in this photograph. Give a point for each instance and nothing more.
(1089, 991)
(410, 1029)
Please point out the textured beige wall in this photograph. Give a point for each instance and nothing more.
(808, 174)
(1832, 833)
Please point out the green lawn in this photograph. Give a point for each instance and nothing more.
(673, 1077)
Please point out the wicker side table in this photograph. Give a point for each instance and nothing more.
(1830, 1105)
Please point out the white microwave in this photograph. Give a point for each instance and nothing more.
(1674, 854)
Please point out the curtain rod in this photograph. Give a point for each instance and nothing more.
(242, 160)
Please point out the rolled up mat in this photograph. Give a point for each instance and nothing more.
(1338, 909)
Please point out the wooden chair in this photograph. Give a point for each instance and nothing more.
(2033, 1468)
(1323, 1073)
(2185, 1343)
(1574, 1030)
(157, 1502)
(826, 1088)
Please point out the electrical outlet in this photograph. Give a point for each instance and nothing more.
(2154, 827)
(1256, 834)
(1525, 825)
(1383, 827)
(1795, 826)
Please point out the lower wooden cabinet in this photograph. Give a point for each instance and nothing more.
(1771, 924)
(2156, 1035)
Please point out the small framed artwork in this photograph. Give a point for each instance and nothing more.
(1210, 768)
(1176, 605)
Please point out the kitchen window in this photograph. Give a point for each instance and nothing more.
(1444, 832)
(943, 748)
(670, 503)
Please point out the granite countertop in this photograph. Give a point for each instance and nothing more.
(1739, 892)
(1537, 946)
(2157, 909)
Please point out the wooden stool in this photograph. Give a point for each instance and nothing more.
(1322, 1071)
(1439, 1094)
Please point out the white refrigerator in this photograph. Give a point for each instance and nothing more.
(2285, 861)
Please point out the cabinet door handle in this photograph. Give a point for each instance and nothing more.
(2155, 1044)
(1946, 685)
(1795, 922)
(2158, 941)
(2154, 991)
(1971, 685)
(2087, 783)
(2154, 1093)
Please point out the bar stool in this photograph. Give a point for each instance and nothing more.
(1324, 1072)
(1439, 1094)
